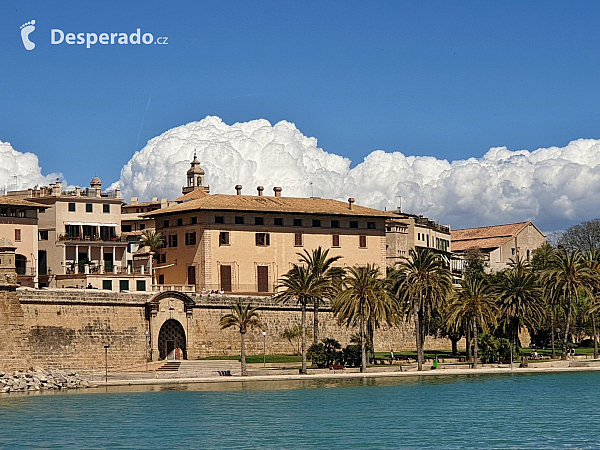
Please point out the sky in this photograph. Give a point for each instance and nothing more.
(444, 82)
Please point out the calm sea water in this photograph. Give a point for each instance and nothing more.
(484, 411)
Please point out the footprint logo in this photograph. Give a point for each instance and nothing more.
(26, 30)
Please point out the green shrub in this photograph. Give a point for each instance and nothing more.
(352, 355)
(488, 348)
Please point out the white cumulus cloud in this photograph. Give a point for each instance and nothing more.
(555, 187)
(24, 166)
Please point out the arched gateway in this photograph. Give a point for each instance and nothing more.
(170, 316)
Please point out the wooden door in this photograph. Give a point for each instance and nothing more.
(191, 275)
(226, 278)
(263, 278)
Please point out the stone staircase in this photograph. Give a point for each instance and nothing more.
(196, 369)
(170, 366)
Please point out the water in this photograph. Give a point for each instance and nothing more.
(484, 411)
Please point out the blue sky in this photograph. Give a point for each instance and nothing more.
(447, 79)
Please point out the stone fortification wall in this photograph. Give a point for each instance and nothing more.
(67, 328)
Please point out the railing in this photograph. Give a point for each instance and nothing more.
(174, 287)
(64, 237)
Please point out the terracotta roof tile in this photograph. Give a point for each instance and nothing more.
(193, 195)
(485, 237)
(11, 201)
(221, 202)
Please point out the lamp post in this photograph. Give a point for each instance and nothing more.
(264, 349)
(147, 351)
(106, 347)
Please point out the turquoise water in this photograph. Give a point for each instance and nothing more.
(484, 411)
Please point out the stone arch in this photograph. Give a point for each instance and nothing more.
(171, 339)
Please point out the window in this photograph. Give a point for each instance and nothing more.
(123, 285)
(316, 223)
(297, 222)
(362, 241)
(278, 221)
(71, 206)
(193, 221)
(263, 239)
(44, 235)
(106, 209)
(125, 228)
(354, 224)
(528, 255)
(259, 221)
(142, 226)
(172, 240)
(107, 285)
(162, 258)
(179, 222)
(166, 224)
(335, 240)
(335, 224)
(224, 238)
(298, 238)
(89, 207)
(239, 220)
(140, 285)
(512, 250)
(17, 235)
(190, 238)
(370, 225)
(218, 219)
(161, 279)
(418, 236)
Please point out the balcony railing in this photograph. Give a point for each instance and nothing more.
(65, 237)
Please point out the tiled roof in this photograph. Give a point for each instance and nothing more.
(220, 202)
(11, 201)
(141, 204)
(485, 237)
(192, 195)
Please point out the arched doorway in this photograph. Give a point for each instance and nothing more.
(21, 264)
(171, 341)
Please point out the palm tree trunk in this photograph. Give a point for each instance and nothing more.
(595, 336)
(552, 334)
(419, 343)
(371, 340)
(363, 364)
(566, 335)
(243, 353)
(303, 303)
(467, 341)
(316, 321)
(475, 345)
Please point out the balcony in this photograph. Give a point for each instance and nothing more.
(66, 237)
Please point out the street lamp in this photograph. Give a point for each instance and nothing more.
(106, 347)
(146, 351)
(264, 349)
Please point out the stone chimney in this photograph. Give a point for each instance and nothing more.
(350, 202)
(277, 191)
(134, 201)
(56, 188)
(238, 189)
(77, 191)
(154, 199)
(117, 193)
(260, 190)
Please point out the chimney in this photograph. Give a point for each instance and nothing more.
(350, 202)
(117, 192)
(154, 199)
(260, 190)
(238, 189)
(277, 191)
(134, 200)
(77, 191)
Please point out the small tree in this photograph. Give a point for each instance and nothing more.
(242, 316)
(294, 336)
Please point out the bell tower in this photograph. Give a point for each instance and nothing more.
(195, 177)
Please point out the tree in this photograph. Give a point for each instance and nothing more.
(475, 302)
(543, 258)
(242, 316)
(362, 299)
(294, 334)
(568, 275)
(423, 286)
(302, 286)
(593, 303)
(152, 239)
(320, 265)
(584, 237)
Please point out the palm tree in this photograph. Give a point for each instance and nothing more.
(152, 239)
(593, 304)
(320, 266)
(520, 299)
(363, 299)
(302, 286)
(242, 316)
(423, 287)
(475, 303)
(543, 258)
(568, 275)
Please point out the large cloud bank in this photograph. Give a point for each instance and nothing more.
(555, 187)
(21, 170)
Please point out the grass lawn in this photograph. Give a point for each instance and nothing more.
(259, 358)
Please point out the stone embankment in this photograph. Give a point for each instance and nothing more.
(41, 380)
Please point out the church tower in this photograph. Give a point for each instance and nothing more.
(195, 178)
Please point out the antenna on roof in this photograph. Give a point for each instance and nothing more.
(312, 194)
(399, 203)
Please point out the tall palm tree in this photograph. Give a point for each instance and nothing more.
(593, 300)
(543, 258)
(568, 275)
(301, 286)
(320, 266)
(475, 303)
(362, 299)
(242, 316)
(520, 299)
(152, 239)
(425, 283)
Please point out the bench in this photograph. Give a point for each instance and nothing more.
(335, 367)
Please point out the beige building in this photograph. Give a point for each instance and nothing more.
(19, 224)
(500, 243)
(406, 231)
(79, 238)
(245, 243)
